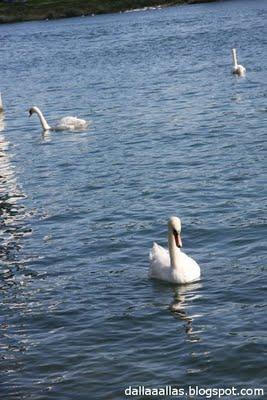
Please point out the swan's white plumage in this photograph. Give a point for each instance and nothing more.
(65, 123)
(238, 69)
(172, 265)
(71, 123)
(160, 262)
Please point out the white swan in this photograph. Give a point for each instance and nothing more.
(237, 68)
(173, 265)
(66, 123)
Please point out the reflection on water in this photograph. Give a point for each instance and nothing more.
(46, 136)
(12, 215)
(183, 296)
(13, 273)
(2, 121)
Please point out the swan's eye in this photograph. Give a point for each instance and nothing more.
(175, 232)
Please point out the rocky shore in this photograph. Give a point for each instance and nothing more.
(23, 10)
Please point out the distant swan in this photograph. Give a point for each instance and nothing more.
(66, 123)
(237, 68)
(173, 265)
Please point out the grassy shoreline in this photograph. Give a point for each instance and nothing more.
(33, 10)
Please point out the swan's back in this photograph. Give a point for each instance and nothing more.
(71, 123)
(239, 70)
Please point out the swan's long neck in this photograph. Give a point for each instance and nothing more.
(43, 121)
(234, 58)
(173, 250)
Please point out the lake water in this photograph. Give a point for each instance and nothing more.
(172, 132)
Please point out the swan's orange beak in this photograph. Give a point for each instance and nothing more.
(178, 239)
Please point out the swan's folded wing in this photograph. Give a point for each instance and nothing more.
(159, 253)
(72, 123)
(159, 260)
(190, 268)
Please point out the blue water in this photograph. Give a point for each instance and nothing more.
(172, 132)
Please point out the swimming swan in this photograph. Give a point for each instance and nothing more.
(66, 123)
(173, 265)
(237, 68)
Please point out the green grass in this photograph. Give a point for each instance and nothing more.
(43, 9)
